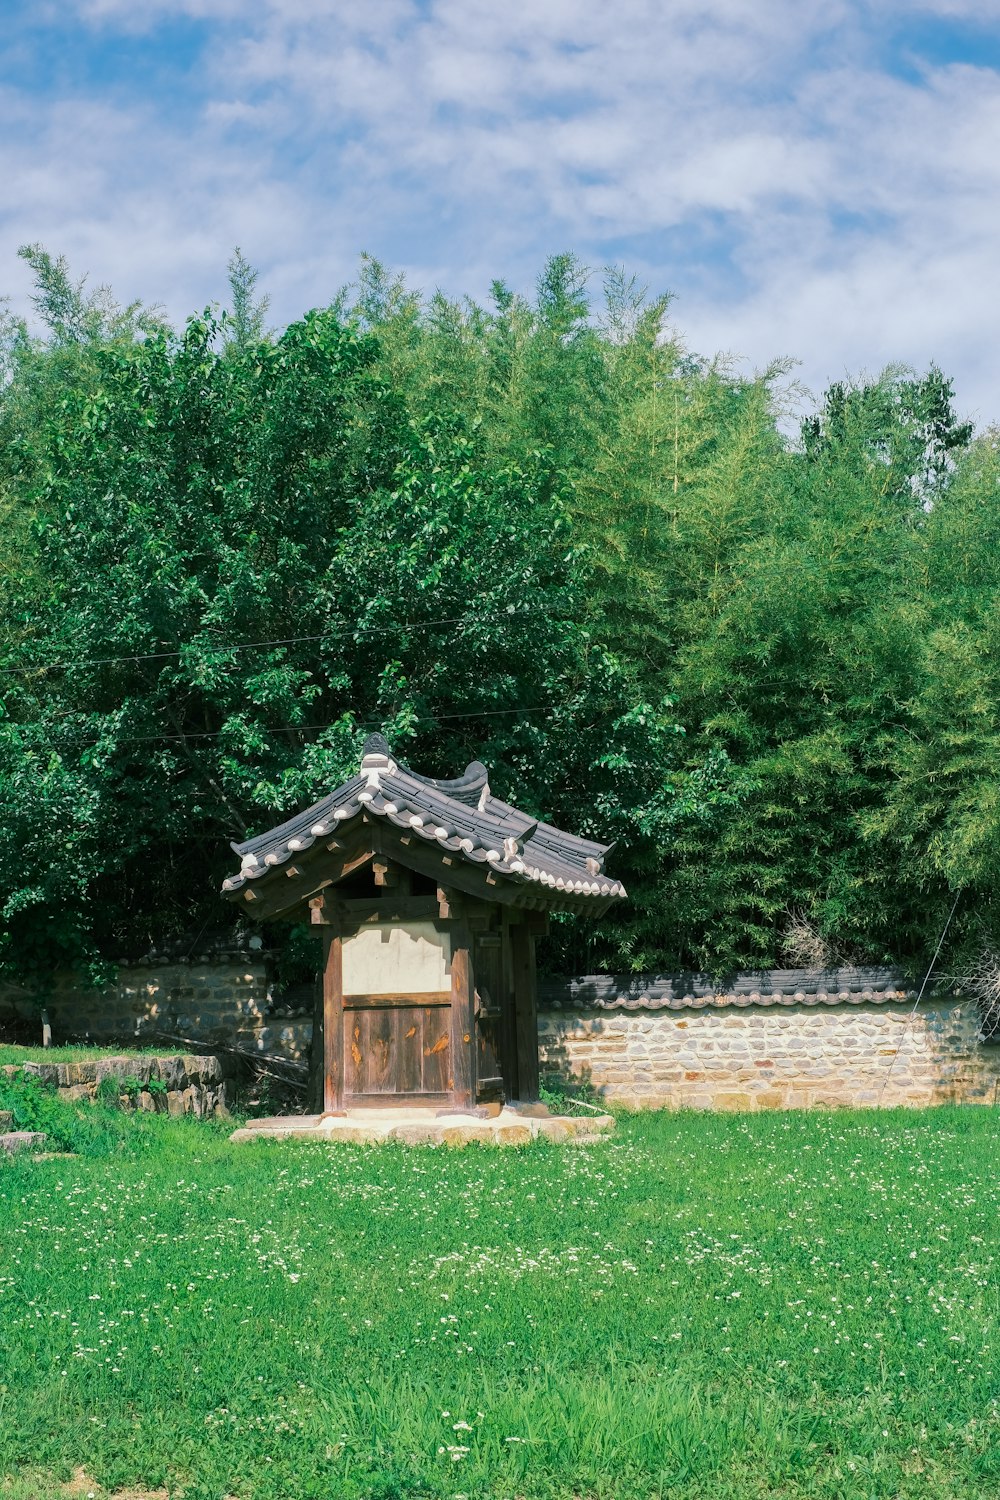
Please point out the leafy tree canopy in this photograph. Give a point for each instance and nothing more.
(539, 532)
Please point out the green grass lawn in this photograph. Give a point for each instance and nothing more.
(779, 1305)
(9, 1053)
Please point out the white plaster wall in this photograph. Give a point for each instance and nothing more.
(397, 958)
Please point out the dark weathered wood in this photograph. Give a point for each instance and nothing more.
(354, 1059)
(400, 1101)
(463, 1082)
(488, 1076)
(469, 879)
(319, 871)
(389, 908)
(499, 960)
(399, 1051)
(522, 953)
(449, 903)
(436, 1052)
(397, 1000)
(371, 1047)
(333, 1020)
(491, 1091)
(382, 1051)
(409, 1062)
(492, 1017)
(317, 1058)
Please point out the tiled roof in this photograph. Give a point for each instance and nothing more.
(631, 992)
(460, 817)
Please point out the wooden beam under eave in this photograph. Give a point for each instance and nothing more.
(468, 878)
(275, 895)
(361, 912)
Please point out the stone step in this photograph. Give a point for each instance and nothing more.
(6, 1119)
(22, 1140)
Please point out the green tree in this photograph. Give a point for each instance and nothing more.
(540, 532)
(245, 324)
(251, 555)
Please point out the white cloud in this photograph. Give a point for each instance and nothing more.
(851, 213)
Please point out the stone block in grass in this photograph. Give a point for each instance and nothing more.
(22, 1140)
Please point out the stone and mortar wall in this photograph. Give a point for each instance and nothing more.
(781, 1057)
(721, 1056)
(178, 1085)
(228, 1001)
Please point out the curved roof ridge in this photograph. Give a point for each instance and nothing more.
(548, 833)
(467, 788)
(303, 821)
(457, 815)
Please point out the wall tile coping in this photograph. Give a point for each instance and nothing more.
(631, 992)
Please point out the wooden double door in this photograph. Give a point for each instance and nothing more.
(428, 1013)
(506, 1020)
(398, 1045)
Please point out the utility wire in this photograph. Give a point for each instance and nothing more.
(182, 737)
(209, 649)
(211, 734)
(920, 994)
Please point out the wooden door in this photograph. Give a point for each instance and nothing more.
(397, 1027)
(495, 1056)
(397, 1047)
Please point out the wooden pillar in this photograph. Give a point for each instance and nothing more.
(463, 1024)
(315, 1095)
(508, 1021)
(333, 1021)
(522, 952)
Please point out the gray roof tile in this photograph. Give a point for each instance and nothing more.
(460, 815)
(773, 987)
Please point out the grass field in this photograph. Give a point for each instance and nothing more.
(16, 1055)
(781, 1305)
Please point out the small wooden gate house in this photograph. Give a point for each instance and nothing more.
(429, 896)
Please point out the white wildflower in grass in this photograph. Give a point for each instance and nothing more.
(701, 1305)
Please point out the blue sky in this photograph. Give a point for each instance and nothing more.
(812, 180)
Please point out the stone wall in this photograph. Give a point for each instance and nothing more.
(780, 1040)
(176, 1085)
(776, 1057)
(226, 999)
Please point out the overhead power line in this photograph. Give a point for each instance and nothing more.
(212, 734)
(292, 640)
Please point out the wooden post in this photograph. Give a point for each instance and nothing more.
(522, 952)
(315, 1096)
(333, 1021)
(507, 1028)
(463, 1088)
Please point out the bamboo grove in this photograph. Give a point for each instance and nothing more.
(762, 653)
